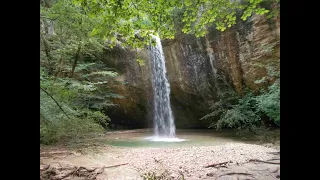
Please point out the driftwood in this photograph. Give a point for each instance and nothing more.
(218, 164)
(257, 160)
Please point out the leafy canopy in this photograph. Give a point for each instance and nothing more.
(124, 20)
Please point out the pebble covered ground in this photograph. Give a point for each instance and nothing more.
(191, 161)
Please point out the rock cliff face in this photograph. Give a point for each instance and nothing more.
(198, 69)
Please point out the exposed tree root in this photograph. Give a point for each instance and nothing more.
(99, 172)
(48, 172)
(218, 164)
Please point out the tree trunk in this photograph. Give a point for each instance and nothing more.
(47, 50)
(44, 30)
(78, 56)
(59, 68)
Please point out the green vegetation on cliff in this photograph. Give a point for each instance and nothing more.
(246, 112)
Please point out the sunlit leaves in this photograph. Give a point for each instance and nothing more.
(253, 8)
(119, 21)
(140, 62)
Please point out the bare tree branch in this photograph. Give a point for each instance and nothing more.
(55, 101)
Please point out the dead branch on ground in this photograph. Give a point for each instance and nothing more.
(116, 165)
(257, 160)
(235, 173)
(218, 164)
(274, 153)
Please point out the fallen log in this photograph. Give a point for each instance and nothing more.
(218, 164)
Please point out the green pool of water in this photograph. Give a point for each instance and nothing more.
(192, 137)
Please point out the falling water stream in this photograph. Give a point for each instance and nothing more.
(164, 127)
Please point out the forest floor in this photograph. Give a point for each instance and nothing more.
(93, 159)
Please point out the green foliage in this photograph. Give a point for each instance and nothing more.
(132, 22)
(53, 132)
(163, 176)
(234, 111)
(245, 112)
(140, 62)
(242, 115)
(74, 98)
(74, 84)
(269, 102)
(48, 133)
(149, 176)
(54, 125)
(71, 31)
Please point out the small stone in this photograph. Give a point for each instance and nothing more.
(210, 174)
(274, 170)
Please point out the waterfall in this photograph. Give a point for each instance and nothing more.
(164, 126)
